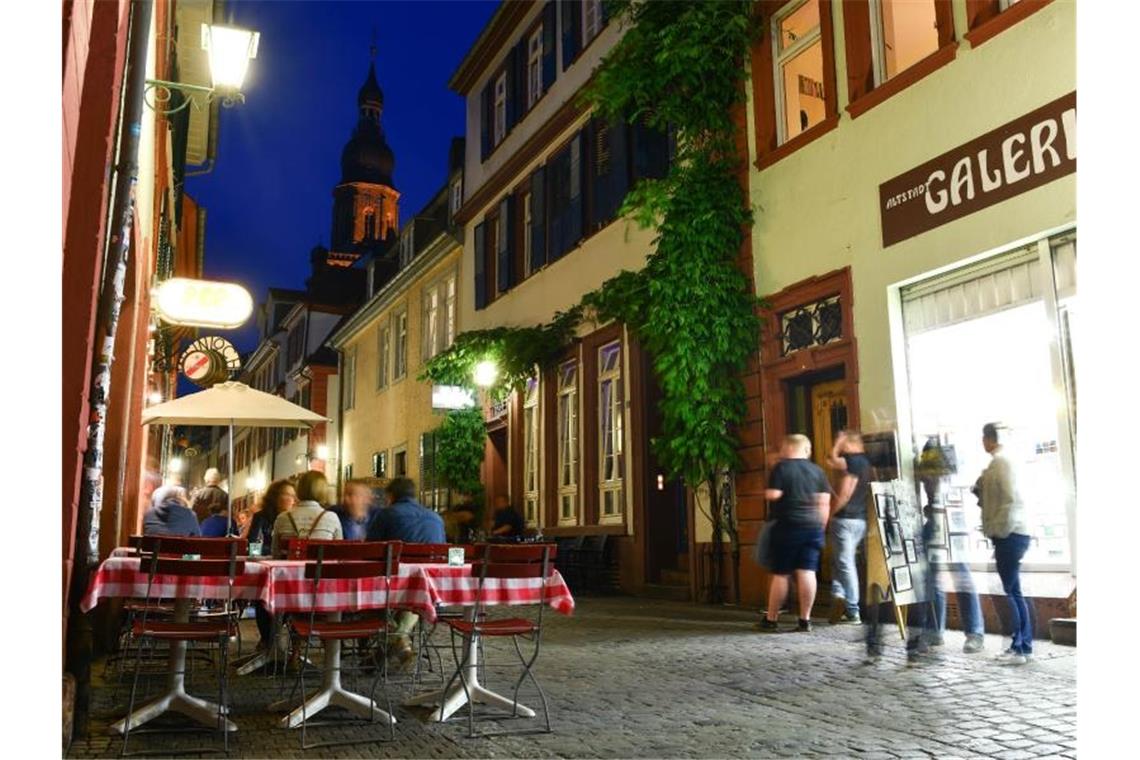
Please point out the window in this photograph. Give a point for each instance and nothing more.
(350, 379)
(986, 18)
(526, 233)
(535, 67)
(456, 195)
(611, 409)
(530, 452)
(369, 224)
(903, 32)
(565, 199)
(429, 332)
(296, 342)
(433, 492)
(406, 247)
(450, 291)
(400, 462)
(400, 368)
(383, 355)
(591, 20)
(568, 444)
(380, 464)
(798, 61)
(500, 112)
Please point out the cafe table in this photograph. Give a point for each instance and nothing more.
(123, 576)
(458, 586)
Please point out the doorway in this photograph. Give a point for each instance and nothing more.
(495, 468)
(666, 503)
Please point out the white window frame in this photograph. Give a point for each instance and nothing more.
(350, 380)
(500, 108)
(532, 472)
(450, 290)
(456, 195)
(878, 57)
(406, 248)
(383, 469)
(527, 222)
(591, 27)
(534, 68)
(614, 487)
(779, 58)
(383, 355)
(569, 444)
(430, 321)
(400, 334)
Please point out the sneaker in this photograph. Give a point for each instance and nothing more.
(850, 618)
(804, 626)
(974, 644)
(1006, 655)
(767, 626)
(838, 610)
(1014, 658)
(936, 640)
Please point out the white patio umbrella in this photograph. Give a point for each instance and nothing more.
(230, 404)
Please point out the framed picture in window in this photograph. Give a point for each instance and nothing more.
(956, 521)
(960, 548)
(938, 531)
(910, 551)
(900, 577)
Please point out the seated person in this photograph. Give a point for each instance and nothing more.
(508, 522)
(215, 503)
(171, 514)
(308, 519)
(356, 510)
(405, 520)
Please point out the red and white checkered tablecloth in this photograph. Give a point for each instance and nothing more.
(122, 577)
(457, 586)
(287, 590)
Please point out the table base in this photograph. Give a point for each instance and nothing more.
(201, 710)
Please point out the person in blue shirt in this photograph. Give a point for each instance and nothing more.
(405, 519)
(171, 514)
(356, 511)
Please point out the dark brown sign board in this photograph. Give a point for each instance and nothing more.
(1028, 152)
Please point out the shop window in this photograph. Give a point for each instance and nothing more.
(995, 318)
(568, 444)
(798, 60)
(611, 407)
(530, 452)
(815, 324)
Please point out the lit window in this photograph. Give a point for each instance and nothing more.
(610, 432)
(400, 367)
(500, 108)
(591, 20)
(798, 62)
(534, 68)
(903, 32)
(530, 452)
(568, 444)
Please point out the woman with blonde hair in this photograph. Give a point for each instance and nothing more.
(309, 519)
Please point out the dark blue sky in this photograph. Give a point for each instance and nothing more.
(269, 197)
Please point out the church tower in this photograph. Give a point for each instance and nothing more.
(365, 203)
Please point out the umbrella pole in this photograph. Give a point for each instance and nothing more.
(230, 481)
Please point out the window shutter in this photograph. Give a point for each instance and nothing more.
(505, 260)
(650, 151)
(573, 226)
(571, 31)
(857, 32)
(556, 200)
(549, 19)
(480, 266)
(513, 90)
(485, 122)
(611, 169)
(538, 218)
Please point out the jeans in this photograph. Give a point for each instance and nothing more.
(969, 606)
(1008, 552)
(845, 537)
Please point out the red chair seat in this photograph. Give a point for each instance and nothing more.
(172, 631)
(141, 606)
(341, 629)
(503, 627)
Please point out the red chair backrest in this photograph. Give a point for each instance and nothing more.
(349, 569)
(203, 547)
(198, 567)
(434, 553)
(352, 550)
(514, 560)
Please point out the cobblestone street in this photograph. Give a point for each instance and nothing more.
(641, 678)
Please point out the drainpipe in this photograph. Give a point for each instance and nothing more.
(124, 177)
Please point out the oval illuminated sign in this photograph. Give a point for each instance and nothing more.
(202, 303)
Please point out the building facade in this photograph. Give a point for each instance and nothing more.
(913, 169)
(543, 181)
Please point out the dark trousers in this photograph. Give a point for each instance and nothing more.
(1008, 552)
(264, 623)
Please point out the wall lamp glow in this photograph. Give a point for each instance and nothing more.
(486, 372)
(230, 49)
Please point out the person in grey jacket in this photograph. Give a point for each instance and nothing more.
(1004, 522)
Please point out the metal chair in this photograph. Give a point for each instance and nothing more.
(333, 560)
(219, 558)
(504, 561)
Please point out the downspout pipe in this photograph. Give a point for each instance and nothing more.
(124, 177)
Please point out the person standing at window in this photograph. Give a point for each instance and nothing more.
(1004, 522)
(848, 525)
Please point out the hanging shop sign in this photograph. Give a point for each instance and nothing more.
(1026, 153)
(209, 361)
(202, 303)
(451, 397)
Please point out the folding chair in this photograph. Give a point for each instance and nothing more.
(505, 561)
(219, 559)
(431, 554)
(333, 560)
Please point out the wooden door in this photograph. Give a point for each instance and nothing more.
(829, 416)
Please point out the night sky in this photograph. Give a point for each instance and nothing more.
(269, 197)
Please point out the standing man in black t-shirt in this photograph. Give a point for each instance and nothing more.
(848, 524)
(799, 496)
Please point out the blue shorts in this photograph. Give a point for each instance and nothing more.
(795, 548)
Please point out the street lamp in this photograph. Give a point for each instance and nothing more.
(174, 466)
(230, 49)
(322, 451)
(254, 483)
(486, 372)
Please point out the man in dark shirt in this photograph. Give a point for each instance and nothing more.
(508, 522)
(799, 496)
(848, 524)
(356, 510)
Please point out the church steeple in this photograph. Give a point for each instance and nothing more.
(365, 207)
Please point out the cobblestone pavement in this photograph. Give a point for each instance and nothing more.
(643, 678)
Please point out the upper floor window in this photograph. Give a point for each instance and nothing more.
(450, 291)
(349, 379)
(530, 452)
(591, 20)
(383, 354)
(527, 224)
(500, 111)
(903, 32)
(986, 18)
(406, 248)
(568, 444)
(798, 60)
(534, 67)
(611, 408)
(296, 342)
(380, 464)
(430, 330)
(456, 195)
(400, 462)
(400, 366)
(370, 224)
